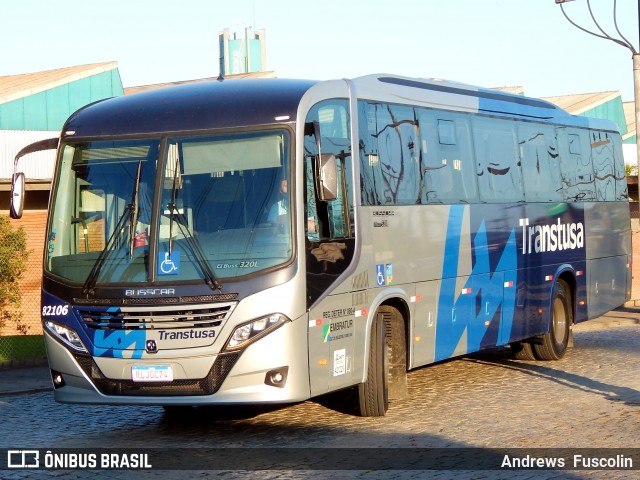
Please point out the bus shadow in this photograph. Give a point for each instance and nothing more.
(614, 393)
(217, 413)
(342, 401)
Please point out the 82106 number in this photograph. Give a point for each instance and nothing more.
(55, 310)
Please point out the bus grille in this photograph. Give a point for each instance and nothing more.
(191, 387)
(140, 318)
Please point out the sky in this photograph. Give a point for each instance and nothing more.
(488, 43)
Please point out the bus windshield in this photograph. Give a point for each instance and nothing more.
(220, 210)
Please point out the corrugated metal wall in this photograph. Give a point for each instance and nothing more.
(611, 110)
(36, 166)
(48, 110)
(42, 115)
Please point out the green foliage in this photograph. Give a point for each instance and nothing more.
(21, 347)
(13, 258)
(630, 170)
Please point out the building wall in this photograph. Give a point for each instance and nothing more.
(242, 55)
(36, 166)
(48, 110)
(611, 110)
(23, 121)
(33, 222)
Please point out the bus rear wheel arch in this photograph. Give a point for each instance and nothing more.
(387, 363)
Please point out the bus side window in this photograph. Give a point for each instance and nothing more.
(576, 170)
(497, 159)
(369, 155)
(604, 165)
(380, 166)
(447, 160)
(621, 176)
(540, 163)
(399, 154)
(334, 218)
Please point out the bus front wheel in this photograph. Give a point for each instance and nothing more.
(373, 394)
(555, 341)
(387, 368)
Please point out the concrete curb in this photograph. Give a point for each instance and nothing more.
(23, 363)
(632, 305)
(31, 390)
(27, 379)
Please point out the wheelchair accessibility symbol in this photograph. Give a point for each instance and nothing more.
(384, 274)
(168, 264)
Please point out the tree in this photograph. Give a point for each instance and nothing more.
(13, 258)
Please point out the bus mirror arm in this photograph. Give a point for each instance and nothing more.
(18, 178)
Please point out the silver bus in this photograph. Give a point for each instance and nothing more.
(272, 240)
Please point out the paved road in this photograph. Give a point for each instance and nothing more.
(589, 399)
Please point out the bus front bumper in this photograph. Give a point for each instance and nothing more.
(274, 369)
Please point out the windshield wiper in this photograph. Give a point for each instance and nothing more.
(192, 243)
(135, 210)
(130, 213)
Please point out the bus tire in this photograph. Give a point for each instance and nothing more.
(397, 348)
(555, 341)
(373, 394)
(522, 351)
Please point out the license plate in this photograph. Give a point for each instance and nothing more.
(152, 373)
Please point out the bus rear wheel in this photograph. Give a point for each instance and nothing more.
(387, 368)
(522, 351)
(555, 341)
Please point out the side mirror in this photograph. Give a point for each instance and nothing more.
(17, 180)
(17, 195)
(327, 177)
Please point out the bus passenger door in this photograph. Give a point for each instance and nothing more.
(329, 244)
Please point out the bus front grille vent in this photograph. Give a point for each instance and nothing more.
(218, 297)
(189, 387)
(132, 318)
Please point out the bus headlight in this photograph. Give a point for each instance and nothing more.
(66, 335)
(253, 330)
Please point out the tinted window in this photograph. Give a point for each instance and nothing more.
(390, 157)
(540, 162)
(576, 168)
(497, 160)
(447, 160)
(606, 168)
